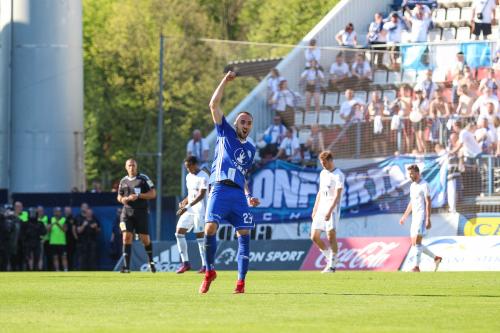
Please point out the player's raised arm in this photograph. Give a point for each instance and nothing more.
(217, 97)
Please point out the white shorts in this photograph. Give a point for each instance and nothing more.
(319, 222)
(194, 221)
(417, 226)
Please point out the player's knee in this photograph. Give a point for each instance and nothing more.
(210, 228)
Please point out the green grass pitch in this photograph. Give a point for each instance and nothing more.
(274, 302)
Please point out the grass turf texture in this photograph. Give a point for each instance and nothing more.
(274, 302)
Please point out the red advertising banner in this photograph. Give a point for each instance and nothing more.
(363, 254)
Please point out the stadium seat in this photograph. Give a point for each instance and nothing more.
(409, 76)
(304, 135)
(390, 94)
(466, 14)
(434, 35)
(394, 77)
(299, 118)
(310, 118)
(380, 77)
(463, 33)
(360, 95)
(331, 99)
(325, 117)
(439, 15)
(342, 98)
(448, 34)
(453, 15)
(482, 73)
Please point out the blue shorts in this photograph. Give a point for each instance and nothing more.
(229, 203)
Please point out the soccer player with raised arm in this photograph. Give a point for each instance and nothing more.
(420, 207)
(326, 211)
(192, 213)
(229, 197)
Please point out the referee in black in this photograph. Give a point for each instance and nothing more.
(134, 192)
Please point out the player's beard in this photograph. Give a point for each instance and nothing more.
(241, 135)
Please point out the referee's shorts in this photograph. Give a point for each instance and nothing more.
(134, 220)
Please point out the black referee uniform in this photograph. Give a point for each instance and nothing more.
(135, 214)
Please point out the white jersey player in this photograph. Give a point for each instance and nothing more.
(420, 207)
(326, 211)
(192, 213)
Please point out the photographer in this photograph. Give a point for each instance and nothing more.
(88, 230)
(31, 233)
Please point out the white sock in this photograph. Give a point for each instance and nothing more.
(327, 254)
(201, 247)
(418, 254)
(182, 246)
(428, 252)
(333, 259)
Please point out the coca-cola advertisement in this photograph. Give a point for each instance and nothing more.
(363, 254)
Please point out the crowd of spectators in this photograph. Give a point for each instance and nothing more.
(417, 117)
(30, 240)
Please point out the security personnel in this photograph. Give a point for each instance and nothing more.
(134, 191)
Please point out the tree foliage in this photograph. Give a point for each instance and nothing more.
(121, 58)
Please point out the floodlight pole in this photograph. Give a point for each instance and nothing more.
(159, 154)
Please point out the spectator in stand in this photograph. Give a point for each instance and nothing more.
(458, 73)
(466, 141)
(496, 61)
(351, 108)
(480, 106)
(420, 22)
(284, 102)
(496, 123)
(315, 143)
(465, 102)
(453, 174)
(485, 136)
(312, 53)
(96, 187)
(483, 17)
(71, 237)
(394, 28)
(273, 84)
(116, 241)
(376, 36)
(289, 149)
(490, 114)
(339, 73)
(273, 136)
(198, 146)
(57, 240)
(313, 78)
(427, 85)
(347, 38)
(403, 105)
(45, 255)
(490, 81)
(420, 110)
(439, 106)
(31, 233)
(361, 71)
(376, 110)
(88, 230)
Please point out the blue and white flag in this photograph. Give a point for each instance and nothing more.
(477, 54)
(287, 192)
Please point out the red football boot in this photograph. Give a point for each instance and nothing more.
(416, 269)
(205, 285)
(240, 287)
(184, 268)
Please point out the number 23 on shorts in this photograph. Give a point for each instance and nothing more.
(247, 218)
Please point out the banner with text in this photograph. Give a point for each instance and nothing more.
(287, 191)
(363, 254)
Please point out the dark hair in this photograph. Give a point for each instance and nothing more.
(413, 167)
(244, 112)
(349, 26)
(191, 160)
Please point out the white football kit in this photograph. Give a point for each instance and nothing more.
(418, 192)
(329, 183)
(194, 217)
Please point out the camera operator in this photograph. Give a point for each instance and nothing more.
(32, 232)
